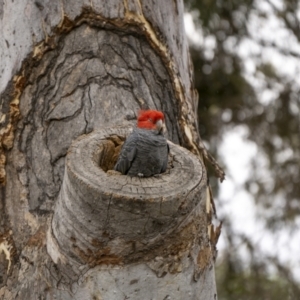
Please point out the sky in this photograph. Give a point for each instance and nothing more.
(233, 201)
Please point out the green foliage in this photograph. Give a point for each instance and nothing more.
(252, 283)
(227, 98)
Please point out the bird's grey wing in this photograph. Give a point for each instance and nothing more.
(127, 155)
(165, 162)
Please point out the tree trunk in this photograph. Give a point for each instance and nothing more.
(73, 77)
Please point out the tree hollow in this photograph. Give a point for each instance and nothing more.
(103, 217)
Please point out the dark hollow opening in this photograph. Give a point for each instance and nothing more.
(109, 151)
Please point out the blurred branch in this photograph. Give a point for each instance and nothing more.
(273, 45)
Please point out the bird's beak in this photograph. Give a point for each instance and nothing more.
(160, 125)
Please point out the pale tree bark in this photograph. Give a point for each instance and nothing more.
(73, 77)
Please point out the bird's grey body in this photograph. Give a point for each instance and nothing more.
(144, 153)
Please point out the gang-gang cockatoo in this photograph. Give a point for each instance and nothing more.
(145, 151)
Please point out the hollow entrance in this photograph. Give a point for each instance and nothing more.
(109, 150)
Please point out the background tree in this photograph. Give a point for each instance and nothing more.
(247, 70)
(67, 69)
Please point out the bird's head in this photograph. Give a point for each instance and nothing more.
(151, 119)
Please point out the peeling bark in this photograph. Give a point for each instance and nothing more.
(74, 69)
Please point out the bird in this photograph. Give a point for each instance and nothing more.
(145, 151)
